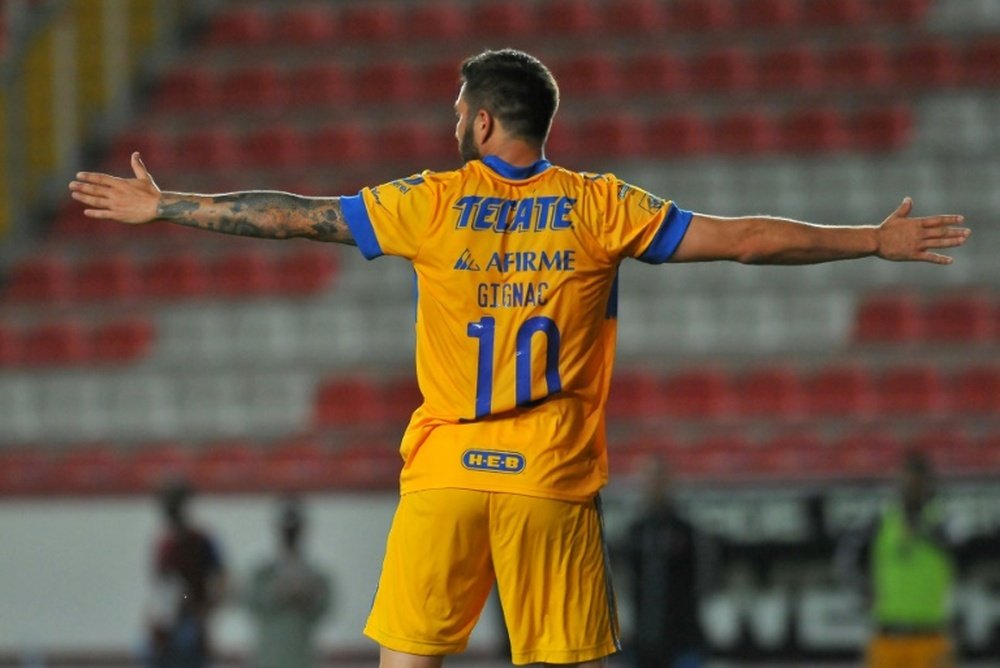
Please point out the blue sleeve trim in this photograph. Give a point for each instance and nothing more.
(356, 215)
(668, 237)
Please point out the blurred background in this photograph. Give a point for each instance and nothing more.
(781, 399)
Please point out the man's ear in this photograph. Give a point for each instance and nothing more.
(485, 126)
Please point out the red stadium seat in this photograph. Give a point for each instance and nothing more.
(498, 19)
(372, 23)
(242, 274)
(324, 84)
(679, 134)
(90, 470)
(300, 464)
(122, 340)
(929, 63)
(839, 13)
(274, 146)
(308, 25)
(981, 63)
(631, 17)
(697, 393)
(305, 271)
(348, 401)
(654, 74)
(703, 15)
(370, 465)
(796, 454)
(856, 66)
(564, 144)
(840, 391)
(40, 279)
(719, 457)
(865, 453)
(774, 392)
(959, 318)
(440, 81)
(577, 18)
(107, 277)
(989, 453)
(611, 136)
(243, 27)
(175, 276)
(637, 454)
(591, 75)
(26, 471)
(635, 394)
(976, 389)
(904, 11)
(387, 82)
(444, 21)
(10, 345)
(228, 467)
(253, 88)
(883, 128)
(794, 68)
(949, 448)
(339, 144)
(820, 130)
(726, 69)
(771, 14)
(150, 466)
(208, 149)
(911, 390)
(156, 149)
(55, 344)
(194, 88)
(891, 318)
(746, 132)
(407, 142)
(400, 397)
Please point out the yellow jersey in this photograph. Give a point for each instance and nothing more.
(516, 316)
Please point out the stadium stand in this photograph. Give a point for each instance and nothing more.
(139, 352)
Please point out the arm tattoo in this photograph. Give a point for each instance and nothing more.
(259, 213)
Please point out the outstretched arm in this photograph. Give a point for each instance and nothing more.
(253, 213)
(764, 240)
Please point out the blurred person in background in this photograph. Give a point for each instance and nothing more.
(505, 459)
(902, 564)
(670, 564)
(287, 597)
(188, 584)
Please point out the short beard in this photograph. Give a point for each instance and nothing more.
(467, 146)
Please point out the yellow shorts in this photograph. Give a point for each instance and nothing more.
(445, 549)
(932, 650)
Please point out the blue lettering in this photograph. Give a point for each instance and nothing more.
(497, 461)
(466, 205)
(522, 216)
(487, 208)
(503, 215)
(545, 205)
(561, 219)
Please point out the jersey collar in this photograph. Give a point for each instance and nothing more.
(509, 171)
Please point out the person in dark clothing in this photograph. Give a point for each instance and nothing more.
(188, 579)
(668, 560)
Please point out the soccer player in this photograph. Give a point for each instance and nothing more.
(516, 262)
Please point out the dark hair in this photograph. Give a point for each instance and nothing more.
(514, 87)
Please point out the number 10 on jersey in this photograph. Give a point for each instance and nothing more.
(485, 331)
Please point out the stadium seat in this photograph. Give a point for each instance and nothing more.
(439, 81)
(981, 63)
(650, 74)
(63, 343)
(400, 397)
(820, 130)
(769, 392)
(387, 82)
(635, 394)
(889, 318)
(122, 341)
(407, 142)
(576, 18)
(299, 465)
(590, 75)
(697, 394)
(790, 455)
(837, 13)
(795, 68)
(39, 279)
(253, 88)
(26, 471)
(858, 66)
(243, 274)
(304, 271)
(976, 390)
(348, 400)
(95, 469)
(915, 390)
(10, 345)
(307, 25)
(959, 318)
(244, 27)
(564, 144)
(746, 132)
(726, 69)
(156, 149)
(988, 449)
(702, 15)
(928, 63)
(321, 84)
(632, 17)
(864, 453)
(372, 23)
(191, 88)
(444, 21)
(948, 446)
(679, 134)
(839, 391)
(500, 19)
(883, 128)
(637, 454)
(904, 11)
(718, 457)
(206, 149)
(371, 464)
(175, 276)
(339, 144)
(228, 467)
(107, 277)
(152, 465)
(770, 14)
(272, 146)
(611, 136)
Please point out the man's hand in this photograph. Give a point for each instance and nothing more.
(132, 201)
(903, 238)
